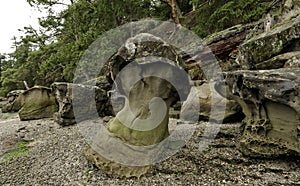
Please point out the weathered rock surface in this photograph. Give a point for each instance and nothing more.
(290, 5)
(143, 121)
(282, 38)
(293, 62)
(271, 103)
(269, 94)
(114, 168)
(201, 96)
(36, 103)
(285, 60)
(63, 94)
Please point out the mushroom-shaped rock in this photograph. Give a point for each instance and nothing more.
(147, 74)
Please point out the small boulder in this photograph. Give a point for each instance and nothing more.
(63, 96)
(203, 97)
(12, 105)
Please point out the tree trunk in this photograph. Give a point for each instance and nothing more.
(175, 11)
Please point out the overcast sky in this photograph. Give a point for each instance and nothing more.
(14, 15)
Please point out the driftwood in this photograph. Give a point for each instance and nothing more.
(228, 40)
(227, 45)
(220, 45)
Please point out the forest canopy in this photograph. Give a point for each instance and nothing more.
(51, 53)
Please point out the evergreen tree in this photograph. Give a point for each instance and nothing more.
(51, 53)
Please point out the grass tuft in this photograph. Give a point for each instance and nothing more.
(19, 150)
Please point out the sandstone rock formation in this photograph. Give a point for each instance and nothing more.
(63, 94)
(282, 38)
(268, 87)
(202, 95)
(270, 101)
(11, 105)
(36, 103)
(147, 85)
(285, 60)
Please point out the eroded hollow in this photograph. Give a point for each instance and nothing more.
(284, 121)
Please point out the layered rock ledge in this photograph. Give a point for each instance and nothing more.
(271, 103)
(282, 38)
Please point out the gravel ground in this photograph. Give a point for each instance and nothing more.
(56, 158)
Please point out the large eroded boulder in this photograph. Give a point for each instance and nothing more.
(271, 102)
(64, 97)
(144, 84)
(36, 103)
(62, 93)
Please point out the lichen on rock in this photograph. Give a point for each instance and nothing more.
(281, 39)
